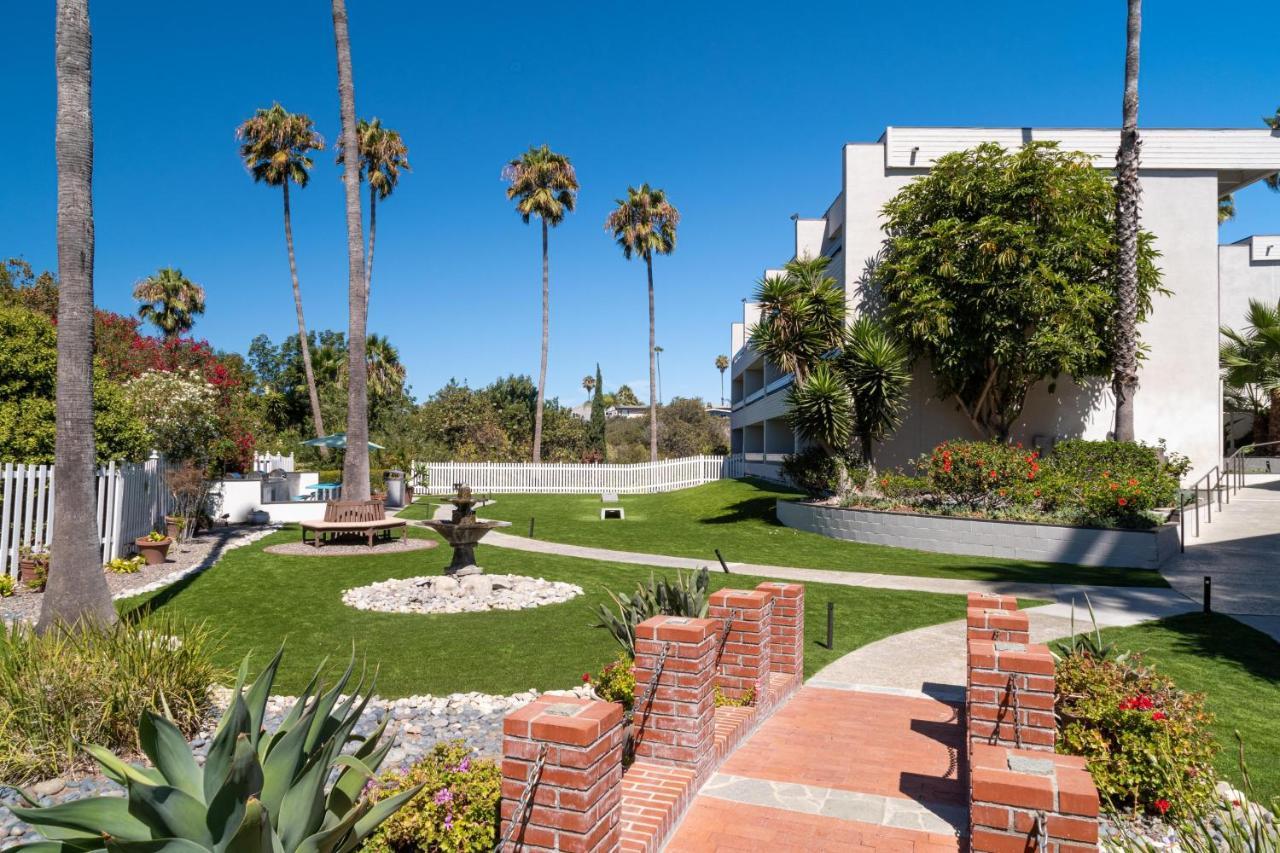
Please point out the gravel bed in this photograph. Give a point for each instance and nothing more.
(416, 724)
(470, 594)
(193, 556)
(357, 549)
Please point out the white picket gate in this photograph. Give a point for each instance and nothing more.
(132, 500)
(666, 475)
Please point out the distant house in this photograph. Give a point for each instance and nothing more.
(1184, 174)
(611, 412)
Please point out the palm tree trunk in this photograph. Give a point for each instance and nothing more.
(303, 342)
(653, 369)
(1273, 420)
(1128, 194)
(373, 233)
(76, 590)
(546, 335)
(722, 388)
(355, 468)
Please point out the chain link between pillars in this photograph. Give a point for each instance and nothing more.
(523, 802)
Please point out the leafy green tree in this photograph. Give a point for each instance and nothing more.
(543, 184)
(645, 223)
(383, 155)
(19, 285)
(597, 425)
(1250, 359)
(1000, 268)
(170, 302)
(1128, 225)
(277, 150)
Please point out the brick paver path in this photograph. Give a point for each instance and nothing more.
(838, 769)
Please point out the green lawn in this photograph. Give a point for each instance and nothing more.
(260, 600)
(1238, 670)
(737, 516)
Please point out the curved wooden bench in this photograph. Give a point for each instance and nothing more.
(367, 518)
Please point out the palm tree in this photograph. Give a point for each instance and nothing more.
(644, 223)
(76, 591)
(383, 155)
(657, 352)
(802, 316)
(1128, 195)
(277, 151)
(876, 367)
(386, 373)
(588, 384)
(722, 364)
(543, 184)
(170, 302)
(1251, 359)
(355, 466)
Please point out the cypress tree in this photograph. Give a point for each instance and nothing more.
(597, 418)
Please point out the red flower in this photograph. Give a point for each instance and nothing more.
(1114, 487)
(586, 677)
(994, 475)
(1132, 482)
(1122, 502)
(1159, 715)
(1162, 806)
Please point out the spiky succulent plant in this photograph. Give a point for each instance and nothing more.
(258, 791)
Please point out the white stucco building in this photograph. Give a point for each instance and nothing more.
(1184, 173)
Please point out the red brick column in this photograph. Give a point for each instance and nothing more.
(1012, 790)
(1010, 682)
(786, 642)
(743, 654)
(577, 798)
(676, 725)
(996, 617)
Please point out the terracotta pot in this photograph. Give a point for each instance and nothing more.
(154, 553)
(174, 526)
(28, 572)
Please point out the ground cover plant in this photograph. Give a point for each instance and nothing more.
(737, 517)
(261, 601)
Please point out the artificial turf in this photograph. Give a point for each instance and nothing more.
(737, 517)
(260, 600)
(1238, 670)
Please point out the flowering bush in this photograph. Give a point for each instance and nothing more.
(616, 682)
(178, 409)
(1147, 743)
(982, 475)
(457, 809)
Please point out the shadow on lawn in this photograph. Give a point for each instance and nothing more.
(1217, 636)
(752, 509)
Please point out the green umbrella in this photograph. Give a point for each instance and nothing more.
(338, 441)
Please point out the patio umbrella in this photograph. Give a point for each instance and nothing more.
(337, 441)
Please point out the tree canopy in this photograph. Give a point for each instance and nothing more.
(1000, 269)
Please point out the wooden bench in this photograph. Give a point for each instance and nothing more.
(364, 518)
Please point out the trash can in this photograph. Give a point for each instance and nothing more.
(395, 488)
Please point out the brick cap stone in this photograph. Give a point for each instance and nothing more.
(992, 601)
(676, 629)
(750, 600)
(1069, 782)
(563, 719)
(783, 589)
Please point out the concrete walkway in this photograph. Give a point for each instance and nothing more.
(1240, 550)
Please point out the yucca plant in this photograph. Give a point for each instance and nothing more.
(685, 596)
(1086, 643)
(258, 791)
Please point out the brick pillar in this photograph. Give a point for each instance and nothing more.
(1008, 682)
(1012, 790)
(786, 642)
(676, 725)
(576, 802)
(997, 618)
(743, 652)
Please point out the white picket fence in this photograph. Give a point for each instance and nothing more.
(132, 501)
(266, 462)
(668, 475)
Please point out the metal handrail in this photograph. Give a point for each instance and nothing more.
(1232, 472)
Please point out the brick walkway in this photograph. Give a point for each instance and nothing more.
(838, 770)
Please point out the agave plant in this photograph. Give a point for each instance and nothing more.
(685, 596)
(1086, 643)
(258, 791)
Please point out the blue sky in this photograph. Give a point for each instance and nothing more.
(737, 109)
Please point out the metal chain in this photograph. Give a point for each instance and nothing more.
(1017, 715)
(724, 632)
(1042, 833)
(518, 815)
(653, 681)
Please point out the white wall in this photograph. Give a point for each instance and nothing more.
(1246, 272)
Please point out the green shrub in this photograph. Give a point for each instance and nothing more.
(813, 471)
(287, 791)
(125, 565)
(1147, 743)
(456, 808)
(60, 689)
(685, 596)
(7, 586)
(616, 682)
(897, 485)
(981, 475)
(1085, 463)
(330, 475)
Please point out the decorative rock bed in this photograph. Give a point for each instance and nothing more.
(470, 594)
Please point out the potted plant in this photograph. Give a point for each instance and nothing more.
(33, 567)
(154, 547)
(175, 525)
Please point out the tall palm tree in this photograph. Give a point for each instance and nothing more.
(542, 184)
(588, 384)
(1251, 358)
(170, 301)
(645, 223)
(277, 150)
(386, 373)
(1124, 357)
(76, 591)
(355, 467)
(722, 364)
(657, 352)
(383, 155)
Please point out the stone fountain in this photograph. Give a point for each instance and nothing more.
(463, 531)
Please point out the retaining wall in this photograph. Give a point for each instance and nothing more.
(1084, 546)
